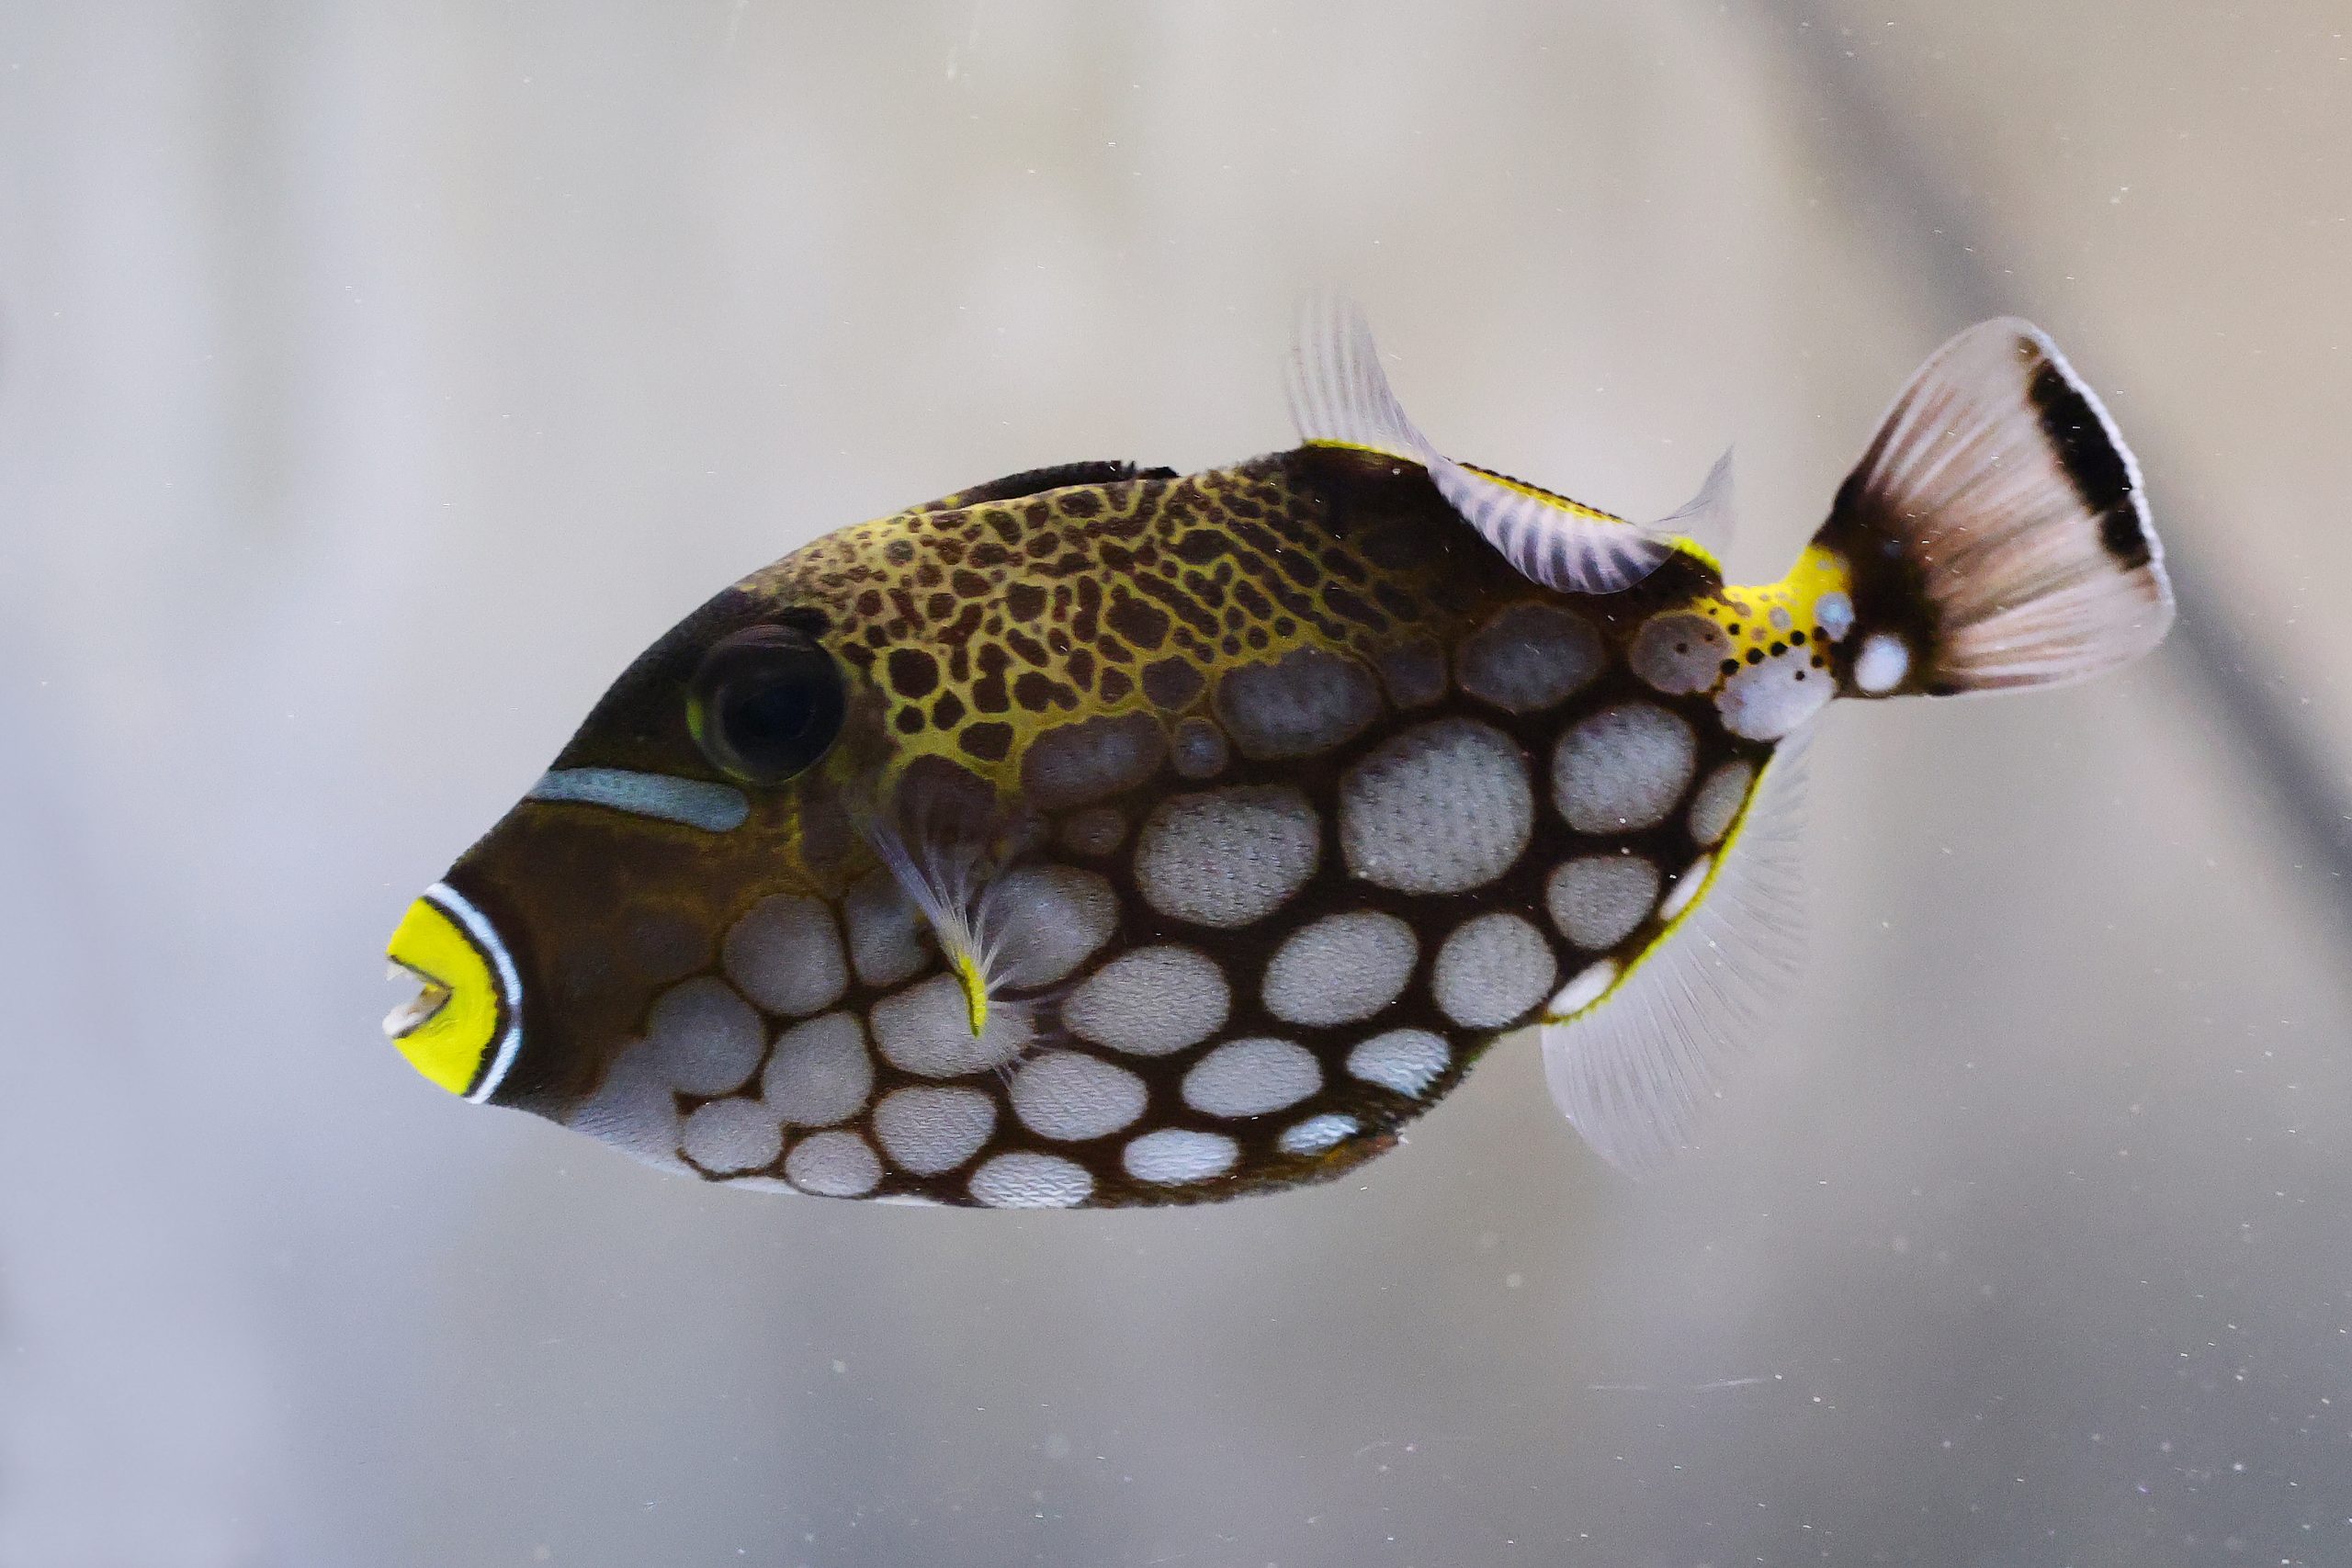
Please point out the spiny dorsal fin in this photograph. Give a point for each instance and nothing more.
(1341, 397)
(1036, 482)
(1633, 1060)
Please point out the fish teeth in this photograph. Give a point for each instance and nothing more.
(420, 1010)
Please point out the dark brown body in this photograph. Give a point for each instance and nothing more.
(1045, 657)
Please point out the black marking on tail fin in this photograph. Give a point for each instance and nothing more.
(1994, 531)
(2093, 460)
(1036, 482)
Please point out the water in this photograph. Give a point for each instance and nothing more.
(374, 381)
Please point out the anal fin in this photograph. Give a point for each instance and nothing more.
(1632, 1064)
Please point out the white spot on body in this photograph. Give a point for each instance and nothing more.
(1175, 1156)
(1414, 674)
(1403, 1061)
(1251, 1077)
(886, 931)
(1024, 1178)
(1529, 656)
(1150, 1002)
(1881, 663)
(928, 1131)
(1491, 970)
(820, 1072)
(1834, 614)
(703, 1038)
(1679, 652)
(1766, 701)
(1588, 987)
(927, 1030)
(1228, 857)
(1309, 700)
(1596, 901)
(1069, 1096)
(1317, 1134)
(1623, 768)
(1199, 750)
(1719, 800)
(728, 1135)
(833, 1164)
(1053, 917)
(1686, 887)
(1079, 762)
(785, 955)
(1442, 808)
(1340, 969)
(634, 1109)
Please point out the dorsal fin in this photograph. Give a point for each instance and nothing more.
(1707, 519)
(1036, 482)
(1341, 397)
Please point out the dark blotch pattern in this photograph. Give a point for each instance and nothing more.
(913, 672)
(981, 625)
(988, 741)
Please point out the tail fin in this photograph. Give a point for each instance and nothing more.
(1994, 532)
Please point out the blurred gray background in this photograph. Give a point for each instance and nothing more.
(376, 380)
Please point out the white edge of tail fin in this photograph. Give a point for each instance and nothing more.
(2001, 478)
(1633, 1067)
(1339, 396)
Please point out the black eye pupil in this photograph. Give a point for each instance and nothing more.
(770, 718)
(766, 703)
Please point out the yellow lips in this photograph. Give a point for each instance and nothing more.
(461, 1012)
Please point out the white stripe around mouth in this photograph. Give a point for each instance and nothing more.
(695, 803)
(510, 984)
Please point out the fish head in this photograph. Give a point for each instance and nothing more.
(819, 872)
(718, 775)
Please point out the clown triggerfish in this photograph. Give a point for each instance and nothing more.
(1108, 836)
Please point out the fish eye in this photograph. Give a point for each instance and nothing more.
(765, 703)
